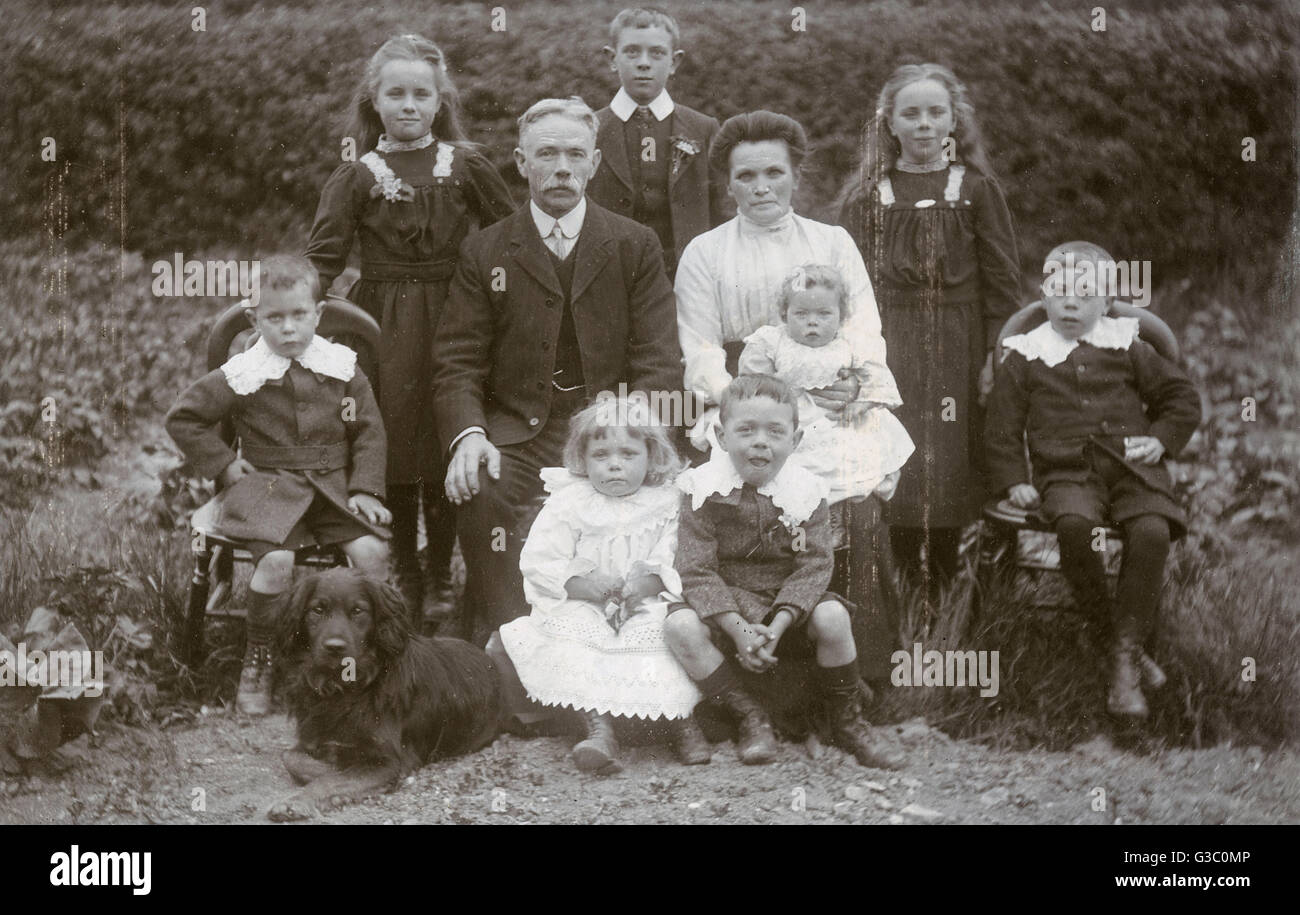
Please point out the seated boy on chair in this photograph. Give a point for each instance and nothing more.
(1101, 409)
(312, 459)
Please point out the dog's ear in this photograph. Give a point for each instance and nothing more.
(292, 635)
(392, 628)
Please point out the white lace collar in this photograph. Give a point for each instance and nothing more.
(951, 190)
(794, 490)
(599, 514)
(1046, 344)
(385, 145)
(249, 370)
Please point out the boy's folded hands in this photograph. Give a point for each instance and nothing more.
(755, 642)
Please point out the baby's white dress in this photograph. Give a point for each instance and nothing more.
(852, 459)
(565, 652)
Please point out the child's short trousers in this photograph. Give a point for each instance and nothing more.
(1111, 493)
(321, 525)
(757, 607)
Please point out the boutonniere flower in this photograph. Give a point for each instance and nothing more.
(683, 148)
(387, 183)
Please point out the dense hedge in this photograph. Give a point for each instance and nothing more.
(175, 139)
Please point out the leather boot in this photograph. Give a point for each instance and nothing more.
(850, 733)
(599, 749)
(757, 742)
(254, 694)
(1124, 698)
(689, 742)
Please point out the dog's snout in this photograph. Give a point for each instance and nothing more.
(335, 644)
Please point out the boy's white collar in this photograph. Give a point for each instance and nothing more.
(624, 106)
(794, 490)
(246, 372)
(1044, 343)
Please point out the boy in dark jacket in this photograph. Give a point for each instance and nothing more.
(755, 556)
(1101, 409)
(312, 452)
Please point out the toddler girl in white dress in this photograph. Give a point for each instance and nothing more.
(598, 573)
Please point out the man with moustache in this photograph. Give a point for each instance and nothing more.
(548, 308)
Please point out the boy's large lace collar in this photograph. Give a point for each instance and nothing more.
(794, 490)
(1046, 344)
(249, 370)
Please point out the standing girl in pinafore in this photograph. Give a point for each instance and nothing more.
(409, 201)
(936, 235)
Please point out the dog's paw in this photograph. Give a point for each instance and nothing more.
(292, 810)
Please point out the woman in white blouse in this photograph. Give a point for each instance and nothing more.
(729, 278)
(727, 284)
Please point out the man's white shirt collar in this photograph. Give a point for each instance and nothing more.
(570, 222)
(624, 106)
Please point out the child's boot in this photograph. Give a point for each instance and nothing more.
(1124, 698)
(600, 748)
(254, 694)
(757, 745)
(689, 742)
(842, 695)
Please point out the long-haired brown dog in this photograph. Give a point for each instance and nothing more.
(373, 701)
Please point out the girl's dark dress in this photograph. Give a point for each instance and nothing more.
(943, 265)
(408, 253)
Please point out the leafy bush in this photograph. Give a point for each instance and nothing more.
(1131, 136)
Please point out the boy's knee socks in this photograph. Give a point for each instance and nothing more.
(1146, 547)
(839, 680)
(263, 616)
(1081, 565)
(718, 682)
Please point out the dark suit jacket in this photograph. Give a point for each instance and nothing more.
(697, 197)
(494, 352)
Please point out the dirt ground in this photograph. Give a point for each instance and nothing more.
(223, 768)
(219, 767)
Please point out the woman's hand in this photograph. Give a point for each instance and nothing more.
(836, 397)
(370, 508)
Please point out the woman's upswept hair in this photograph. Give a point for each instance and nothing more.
(881, 149)
(810, 276)
(363, 123)
(636, 419)
(755, 127)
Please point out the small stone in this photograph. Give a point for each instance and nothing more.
(693, 805)
(884, 803)
(873, 786)
(843, 806)
(908, 782)
(896, 820)
(854, 793)
(410, 780)
(995, 796)
(924, 813)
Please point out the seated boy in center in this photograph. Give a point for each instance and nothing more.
(312, 453)
(755, 556)
(654, 152)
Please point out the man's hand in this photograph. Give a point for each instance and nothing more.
(472, 452)
(1023, 495)
(370, 508)
(1145, 449)
(234, 470)
(834, 398)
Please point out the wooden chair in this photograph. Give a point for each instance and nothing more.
(215, 555)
